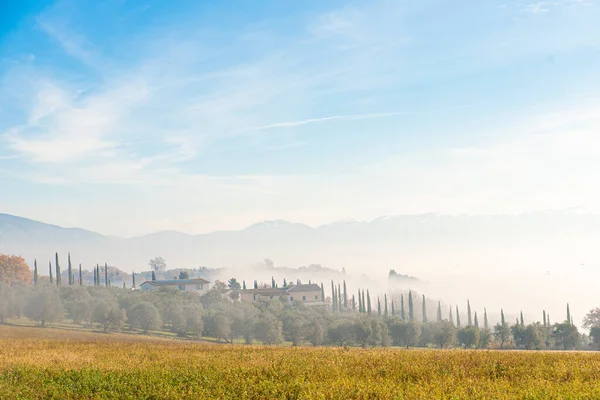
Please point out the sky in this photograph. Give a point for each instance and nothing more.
(128, 117)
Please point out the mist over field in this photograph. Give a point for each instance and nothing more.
(529, 262)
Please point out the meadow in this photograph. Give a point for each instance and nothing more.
(37, 363)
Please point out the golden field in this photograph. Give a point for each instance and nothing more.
(38, 363)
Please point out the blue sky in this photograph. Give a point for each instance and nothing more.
(127, 117)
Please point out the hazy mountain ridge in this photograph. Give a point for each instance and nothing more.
(285, 242)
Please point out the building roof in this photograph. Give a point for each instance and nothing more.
(177, 282)
(313, 287)
(267, 291)
(282, 291)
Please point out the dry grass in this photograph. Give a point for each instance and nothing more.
(43, 363)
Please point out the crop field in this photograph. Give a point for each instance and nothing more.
(38, 363)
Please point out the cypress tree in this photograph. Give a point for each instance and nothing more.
(95, 277)
(522, 322)
(385, 307)
(450, 316)
(353, 303)
(469, 320)
(284, 283)
(439, 312)
(50, 269)
(273, 282)
(548, 319)
(35, 272)
(334, 306)
(339, 293)
(360, 309)
(153, 276)
(70, 269)
(364, 302)
(486, 326)
(568, 314)
(322, 292)
(393, 310)
(243, 285)
(378, 306)
(457, 318)
(333, 297)
(544, 311)
(80, 276)
(255, 284)
(133, 279)
(98, 274)
(502, 320)
(368, 302)
(424, 310)
(345, 296)
(106, 274)
(411, 310)
(58, 277)
(517, 321)
(475, 321)
(402, 313)
(123, 285)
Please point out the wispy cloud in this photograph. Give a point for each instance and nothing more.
(290, 124)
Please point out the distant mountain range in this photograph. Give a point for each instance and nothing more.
(406, 243)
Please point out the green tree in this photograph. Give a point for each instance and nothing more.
(184, 275)
(341, 331)
(378, 306)
(44, 305)
(50, 271)
(106, 274)
(333, 297)
(353, 303)
(322, 292)
(485, 338)
(568, 314)
(457, 318)
(385, 307)
(469, 319)
(486, 325)
(35, 272)
(450, 316)
(592, 318)
(363, 330)
(566, 335)
(522, 321)
(108, 314)
(502, 333)
(402, 313)
(58, 274)
(269, 329)
(468, 336)
(424, 311)
(444, 334)
(345, 296)
(133, 279)
(595, 335)
(411, 310)
(439, 312)
(80, 276)
(235, 288)
(534, 336)
(69, 269)
(368, 302)
(153, 276)
(475, 321)
(146, 316)
(393, 310)
(157, 264)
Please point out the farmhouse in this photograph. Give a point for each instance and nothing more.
(309, 294)
(197, 285)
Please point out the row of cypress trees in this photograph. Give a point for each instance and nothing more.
(56, 277)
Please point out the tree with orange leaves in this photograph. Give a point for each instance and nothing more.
(14, 269)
